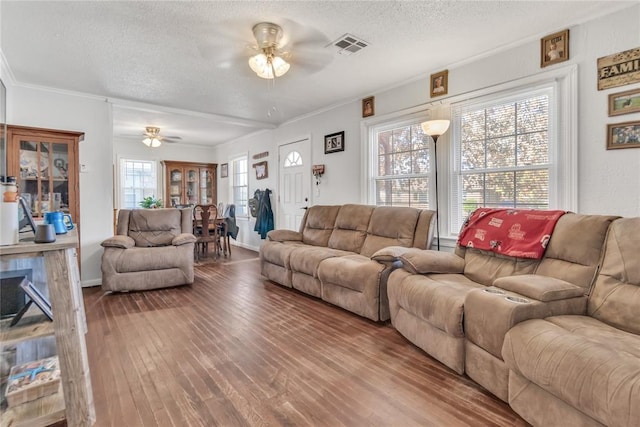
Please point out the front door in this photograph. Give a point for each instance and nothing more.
(294, 163)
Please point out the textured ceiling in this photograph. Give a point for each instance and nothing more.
(182, 65)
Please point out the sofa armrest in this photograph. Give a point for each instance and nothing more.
(123, 242)
(541, 288)
(490, 312)
(420, 261)
(183, 239)
(284, 236)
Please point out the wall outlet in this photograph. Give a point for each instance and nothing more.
(83, 168)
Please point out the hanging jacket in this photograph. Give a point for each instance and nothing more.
(264, 220)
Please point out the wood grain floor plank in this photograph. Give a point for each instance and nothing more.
(234, 349)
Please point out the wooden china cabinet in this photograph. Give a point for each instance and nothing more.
(188, 183)
(45, 163)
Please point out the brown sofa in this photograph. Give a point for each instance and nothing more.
(430, 297)
(152, 248)
(584, 368)
(342, 253)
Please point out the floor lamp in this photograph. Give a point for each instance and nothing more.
(435, 128)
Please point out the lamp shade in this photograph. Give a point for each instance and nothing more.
(266, 65)
(435, 127)
(152, 142)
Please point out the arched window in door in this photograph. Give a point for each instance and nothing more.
(293, 159)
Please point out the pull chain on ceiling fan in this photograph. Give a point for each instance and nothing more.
(268, 64)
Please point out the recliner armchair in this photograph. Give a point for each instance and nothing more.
(152, 248)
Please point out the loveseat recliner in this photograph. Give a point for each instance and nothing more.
(433, 298)
(343, 254)
(152, 248)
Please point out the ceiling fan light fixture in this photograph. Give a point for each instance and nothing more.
(265, 65)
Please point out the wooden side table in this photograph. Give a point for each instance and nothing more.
(75, 401)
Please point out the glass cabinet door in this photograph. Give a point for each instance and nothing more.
(206, 187)
(175, 190)
(192, 186)
(43, 177)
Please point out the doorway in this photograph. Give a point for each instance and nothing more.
(294, 183)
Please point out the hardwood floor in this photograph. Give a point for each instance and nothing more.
(234, 349)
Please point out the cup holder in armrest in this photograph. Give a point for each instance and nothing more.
(517, 300)
(494, 291)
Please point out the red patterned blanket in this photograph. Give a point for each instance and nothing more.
(522, 233)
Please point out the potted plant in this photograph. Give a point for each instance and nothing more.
(150, 202)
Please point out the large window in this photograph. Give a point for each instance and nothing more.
(138, 179)
(401, 165)
(239, 183)
(503, 153)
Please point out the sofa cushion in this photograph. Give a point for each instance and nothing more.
(485, 267)
(616, 295)
(354, 272)
(591, 366)
(390, 226)
(278, 253)
(142, 259)
(541, 288)
(318, 224)
(154, 227)
(437, 299)
(351, 227)
(306, 259)
(575, 249)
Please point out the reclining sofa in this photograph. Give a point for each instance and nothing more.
(339, 253)
(152, 248)
(558, 338)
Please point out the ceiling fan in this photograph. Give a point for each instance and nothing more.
(153, 139)
(276, 48)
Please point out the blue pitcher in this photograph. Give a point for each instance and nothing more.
(61, 221)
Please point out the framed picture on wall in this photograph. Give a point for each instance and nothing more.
(262, 171)
(439, 83)
(623, 135)
(554, 48)
(368, 106)
(224, 170)
(334, 142)
(624, 102)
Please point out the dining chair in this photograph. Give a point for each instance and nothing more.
(205, 229)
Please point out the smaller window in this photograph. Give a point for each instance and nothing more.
(293, 159)
(138, 180)
(239, 183)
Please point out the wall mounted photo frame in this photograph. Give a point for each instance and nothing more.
(623, 135)
(224, 170)
(262, 170)
(619, 69)
(368, 106)
(554, 48)
(439, 83)
(624, 102)
(334, 142)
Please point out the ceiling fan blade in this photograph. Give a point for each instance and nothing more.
(171, 137)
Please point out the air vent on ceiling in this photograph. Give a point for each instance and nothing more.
(349, 44)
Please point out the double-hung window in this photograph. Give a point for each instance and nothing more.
(503, 152)
(400, 165)
(138, 179)
(239, 183)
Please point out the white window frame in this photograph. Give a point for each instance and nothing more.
(232, 176)
(370, 130)
(562, 138)
(158, 190)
